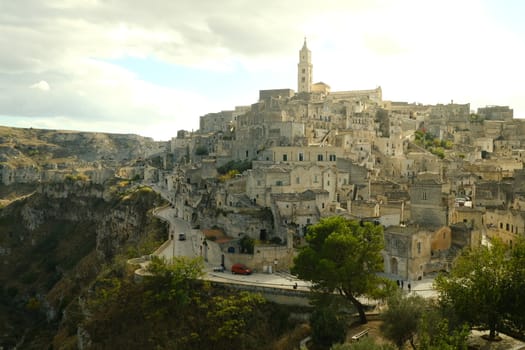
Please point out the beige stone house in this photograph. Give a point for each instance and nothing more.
(412, 252)
(407, 251)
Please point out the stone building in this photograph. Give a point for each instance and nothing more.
(503, 113)
(493, 194)
(299, 210)
(507, 225)
(429, 202)
(407, 251)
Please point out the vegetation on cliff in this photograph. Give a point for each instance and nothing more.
(431, 143)
(66, 281)
(56, 241)
(174, 309)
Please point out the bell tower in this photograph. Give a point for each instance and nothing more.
(304, 70)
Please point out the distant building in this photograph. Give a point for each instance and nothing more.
(496, 113)
(304, 70)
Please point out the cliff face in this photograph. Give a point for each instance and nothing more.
(53, 244)
(32, 155)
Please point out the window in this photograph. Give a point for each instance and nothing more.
(424, 196)
(419, 247)
(322, 205)
(298, 180)
(315, 179)
(301, 157)
(319, 157)
(303, 79)
(304, 70)
(278, 183)
(285, 157)
(332, 157)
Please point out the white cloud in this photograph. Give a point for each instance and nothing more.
(41, 85)
(429, 52)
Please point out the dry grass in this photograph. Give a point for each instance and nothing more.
(292, 339)
(374, 325)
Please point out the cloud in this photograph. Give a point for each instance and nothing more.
(417, 51)
(41, 85)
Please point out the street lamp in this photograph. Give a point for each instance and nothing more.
(172, 247)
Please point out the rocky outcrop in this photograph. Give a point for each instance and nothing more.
(32, 155)
(25, 173)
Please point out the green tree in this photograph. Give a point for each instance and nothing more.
(173, 309)
(328, 327)
(438, 151)
(343, 256)
(477, 286)
(516, 286)
(171, 284)
(247, 244)
(435, 333)
(402, 318)
(232, 315)
(420, 322)
(239, 165)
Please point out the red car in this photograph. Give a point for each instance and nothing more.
(241, 269)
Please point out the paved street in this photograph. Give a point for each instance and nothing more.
(191, 248)
(274, 280)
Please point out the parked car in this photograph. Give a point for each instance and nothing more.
(182, 236)
(241, 269)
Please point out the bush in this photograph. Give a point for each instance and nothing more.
(327, 327)
(201, 151)
(239, 165)
(247, 245)
(276, 240)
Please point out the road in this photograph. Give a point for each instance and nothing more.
(191, 248)
(187, 247)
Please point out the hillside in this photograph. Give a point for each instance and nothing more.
(54, 243)
(66, 283)
(30, 156)
(29, 146)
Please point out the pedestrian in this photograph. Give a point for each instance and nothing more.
(409, 287)
(295, 285)
(398, 283)
(402, 284)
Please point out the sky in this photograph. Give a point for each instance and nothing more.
(154, 67)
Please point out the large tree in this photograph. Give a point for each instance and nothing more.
(402, 319)
(343, 256)
(516, 287)
(485, 285)
(419, 321)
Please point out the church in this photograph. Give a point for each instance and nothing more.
(322, 90)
